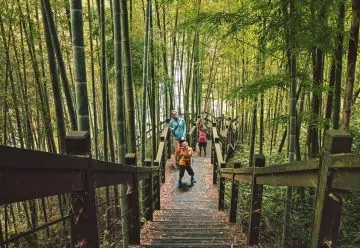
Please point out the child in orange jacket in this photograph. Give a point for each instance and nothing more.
(184, 161)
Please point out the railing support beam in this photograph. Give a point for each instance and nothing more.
(221, 203)
(234, 196)
(168, 140)
(148, 202)
(156, 185)
(327, 211)
(133, 200)
(83, 222)
(255, 208)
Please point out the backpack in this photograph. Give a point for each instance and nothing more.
(202, 137)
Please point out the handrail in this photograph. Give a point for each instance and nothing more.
(163, 148)
(335, 170)
(28, 175)
(160, 151)
(304, 173)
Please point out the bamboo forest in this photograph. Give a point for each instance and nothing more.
(179, 123)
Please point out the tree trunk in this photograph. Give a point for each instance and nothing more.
(153, 99)
(145, 82)
(351, 65)
(61, 64)
(54, 79)
(330, 95)
(253, 133)
(291, 53)
(79, 65)
(95, 131)
(338, 63)
(129, 92)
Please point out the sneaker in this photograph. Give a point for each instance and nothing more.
(180, 184)
(192, 180)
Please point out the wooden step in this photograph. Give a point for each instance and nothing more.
(189, 228)
(190, 224)
(193, 245)
(192, 229)
(187, 233)
(190, 240)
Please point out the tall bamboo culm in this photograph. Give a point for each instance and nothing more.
(79, 65)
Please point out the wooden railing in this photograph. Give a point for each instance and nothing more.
(27, 175)
(336, 170)
(163, 153)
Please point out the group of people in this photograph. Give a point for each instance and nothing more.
(183, 153)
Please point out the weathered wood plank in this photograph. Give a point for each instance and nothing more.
(321, 194)
(226, 170)
(12, 157)
(215, 134)
(164, 134)
(133, 203)
(108, 178)
(327, 211)
(246, 170)
(234, 197)
(83, 223)
(227, 175)
(345, 160)
(103, 166)
(304, 165)
(160, 151)
(221, 202)
(148, 191)
(243, 177)
(218, 154)
(255, 207)
(346, 179)
(19, 185)
(297, 178)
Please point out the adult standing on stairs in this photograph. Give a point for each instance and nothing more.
(177, 126)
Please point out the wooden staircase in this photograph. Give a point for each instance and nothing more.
(189, 228)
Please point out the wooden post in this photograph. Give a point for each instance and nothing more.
(216, 164)
(221, 203)
(83, 222)
(222, 122)
(327, 211)
(156, 186)
(163, 165)
(168, 140)
(234, 196)
(162, 162)
(255, 208)
(134, 206)
(213, 158)
(212, 144)
(148, 204)
(193, 137)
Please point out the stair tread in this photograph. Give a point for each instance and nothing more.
(191, 234)
(193, 245)
(188, 229)
(201, 239)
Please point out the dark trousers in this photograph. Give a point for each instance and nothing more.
(202, 146)
(182, 169)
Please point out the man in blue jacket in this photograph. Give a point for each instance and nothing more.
(178, 128)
